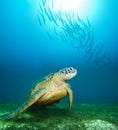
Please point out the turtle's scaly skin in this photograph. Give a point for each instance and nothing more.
(49, 91)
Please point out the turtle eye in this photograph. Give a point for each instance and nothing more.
(71, 70)
(67, 70)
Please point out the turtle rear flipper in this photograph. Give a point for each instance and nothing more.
(32, 99)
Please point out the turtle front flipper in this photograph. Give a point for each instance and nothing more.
(70, 98)
(31, 100)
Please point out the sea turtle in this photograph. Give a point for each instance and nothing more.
(49, 91)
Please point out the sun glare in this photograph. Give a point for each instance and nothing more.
(84, 8)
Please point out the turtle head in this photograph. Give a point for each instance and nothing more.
(67, 73)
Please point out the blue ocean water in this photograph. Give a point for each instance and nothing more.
(30, 50)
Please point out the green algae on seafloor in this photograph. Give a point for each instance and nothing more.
(81, 117)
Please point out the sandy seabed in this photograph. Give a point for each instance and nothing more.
(57, 117)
